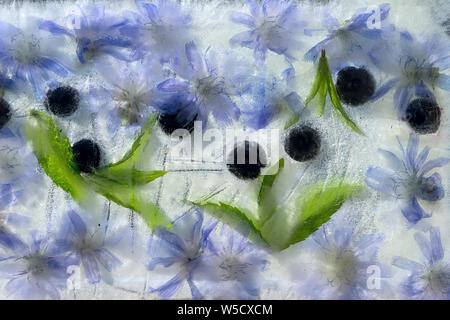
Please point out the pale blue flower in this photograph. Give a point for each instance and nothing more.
(344, 262)
(276, 26)
(431, 278)
(18, 167)
(130, 93)
(9, 239)
(266, 98)
(29, 58)
(34, 271)
(207, 84)
(406, 180)
(353, 40)
(88, 246)
(159, 29)
(180, 250)
(416, 68)
(95, 32)
(232, 267)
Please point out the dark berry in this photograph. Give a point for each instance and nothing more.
(5, 112)
(87, 155)
(355, 86)
(171, 122)
(177, 112)
(62, 101)
(246, 160)
(302, 143)
(423, 115)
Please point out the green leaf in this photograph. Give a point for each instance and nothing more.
(133, 155)
(54, 154)
(338, 106)
(129, 177)
(118, 182)
(294, 222)
(233, 216)
(318, 80)
(268, 180)
(323, 84)
(130, 197)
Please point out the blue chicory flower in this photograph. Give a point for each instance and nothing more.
(267, 96)
(95, 32)
(9, 239)
(416, 66)
(29, 58)
(352, 41)
(18, 167)
(232, 266)
(207, 85)
(91, 250)
(275, 25)
(344, 263)
(34, 272)
(181, 251)
(159, 29)
(431, 278)
(130, 92)
(406, 179)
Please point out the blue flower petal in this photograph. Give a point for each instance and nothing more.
(393, 161)
(242, 18)
(437, 252)
(55, 28)
(411, 151)
(407, 264)
(431, 189)
(402, 96)
(381, 180)
(381, 91)
(173, 85)
(165, 262)
(168, 289)
(10, 240)
(412, 211)
(424, 245)
(194, 57)
(107, 259)
(432, 164)
(244, 39)
(91, 269)
(77, 223)
(53, 66)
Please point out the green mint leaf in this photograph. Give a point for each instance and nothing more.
(133, 156)
(131, 197)
(322, 85)
(233, 216)
(54, 153)
(115, 182)
(313, 206)
(268, 180)
(339, 108)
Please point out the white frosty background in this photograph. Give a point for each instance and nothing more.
(343, 152)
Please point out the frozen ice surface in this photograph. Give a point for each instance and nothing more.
(343, 153)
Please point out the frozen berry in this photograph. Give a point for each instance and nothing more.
(171, 122)
(246, 160)
(87, 155)
(302, 143)
(5, 112)
(62, 101)
(355, 86)
(177, 113)
(423, 115)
